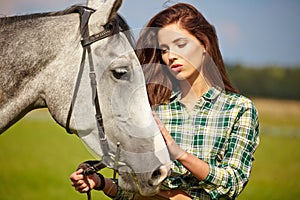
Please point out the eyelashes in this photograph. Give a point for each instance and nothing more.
(165, 49)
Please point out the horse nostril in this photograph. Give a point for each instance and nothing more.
(158, 175)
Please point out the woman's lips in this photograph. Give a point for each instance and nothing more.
(176, 67)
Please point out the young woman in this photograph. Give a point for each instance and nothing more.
(211, 131)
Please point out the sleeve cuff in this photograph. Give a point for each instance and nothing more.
(217, 176)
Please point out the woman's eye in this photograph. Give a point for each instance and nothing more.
(164, 51)
(181, 45)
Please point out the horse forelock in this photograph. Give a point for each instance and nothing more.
(124, 27)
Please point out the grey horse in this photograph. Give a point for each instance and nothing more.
(41, 56)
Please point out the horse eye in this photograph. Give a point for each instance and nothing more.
(121, 73)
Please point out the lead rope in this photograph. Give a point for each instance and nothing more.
(99, 120)
(85, 15)
(91, 167)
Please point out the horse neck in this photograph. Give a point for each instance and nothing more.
(30, 45)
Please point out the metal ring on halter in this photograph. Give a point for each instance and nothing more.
(113, 162)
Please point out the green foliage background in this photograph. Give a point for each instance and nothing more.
(37, 157)
(269, 81)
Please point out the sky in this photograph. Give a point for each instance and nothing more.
(251, 32)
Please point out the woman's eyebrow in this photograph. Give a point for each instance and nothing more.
(180, 39)
(161, 46)
(174, 41)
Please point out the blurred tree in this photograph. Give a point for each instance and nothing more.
(268, 81)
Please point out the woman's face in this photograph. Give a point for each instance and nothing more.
(180, 51)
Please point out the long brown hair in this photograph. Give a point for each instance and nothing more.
(158, 80)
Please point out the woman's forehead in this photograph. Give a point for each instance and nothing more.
(174, 32)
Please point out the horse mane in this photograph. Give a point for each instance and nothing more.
(11, 19)
(26, 67)
(123, 25)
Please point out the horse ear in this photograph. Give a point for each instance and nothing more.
(105, 10)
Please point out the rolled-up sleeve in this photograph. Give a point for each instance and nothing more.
(229, 177)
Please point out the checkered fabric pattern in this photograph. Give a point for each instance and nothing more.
(222, 130)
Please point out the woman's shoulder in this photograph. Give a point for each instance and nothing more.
(238, 100)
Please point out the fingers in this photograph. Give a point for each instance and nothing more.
(174, 150)
(81, 186)
(77, 175)
(158, 122)
(78, 181)
(160, 125)
(165, 133)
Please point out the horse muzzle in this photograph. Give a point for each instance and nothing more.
(146, 184)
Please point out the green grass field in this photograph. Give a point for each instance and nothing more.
(37, 157)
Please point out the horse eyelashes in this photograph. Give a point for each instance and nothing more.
(121, 74)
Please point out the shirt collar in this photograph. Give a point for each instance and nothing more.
(210, 95)
(176, 95)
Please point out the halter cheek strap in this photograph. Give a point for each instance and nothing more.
(108, 158)
(86, 41)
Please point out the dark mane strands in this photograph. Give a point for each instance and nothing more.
(122, 24)
(10, 19)
(11, 27)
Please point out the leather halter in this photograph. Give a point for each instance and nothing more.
(108, 158)
(86, 41)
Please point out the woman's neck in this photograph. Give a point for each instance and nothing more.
(193, 90)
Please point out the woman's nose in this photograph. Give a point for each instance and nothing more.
(172, 56)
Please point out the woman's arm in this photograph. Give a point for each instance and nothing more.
(229, 177)
(197, 167)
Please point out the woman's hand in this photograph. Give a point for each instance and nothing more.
(197, 167)
(83, 183)
(174, 150)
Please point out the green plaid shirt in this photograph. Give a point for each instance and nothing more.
(222, 130)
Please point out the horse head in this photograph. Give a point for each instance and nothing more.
(126, 117)
(45, 61)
